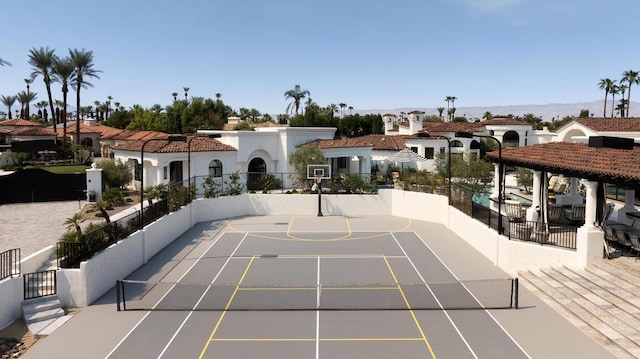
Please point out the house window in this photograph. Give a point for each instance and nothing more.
(342, 162)
(429, 153)
(133, 163)
(414, 149)
(164, 172)
(215, 168)
(442, 150)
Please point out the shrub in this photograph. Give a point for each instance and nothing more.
(115, 175)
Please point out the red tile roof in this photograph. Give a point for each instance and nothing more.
(376, 142)
(577, 159)
(19, 122)
(611, 124)
(450, 126)
(198, 144)
(33, 131)
(502, 122)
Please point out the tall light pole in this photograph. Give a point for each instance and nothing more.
(500, 174)
(212, 135)
(169, 139)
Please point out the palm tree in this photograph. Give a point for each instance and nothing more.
(25, 98)
(62, 73)
(487, 115)
(83, 69)
(108, 106)
(8, 101)
(440, 111)
(350, 110)
(630, 77)
(186, 92)
(342, 106)
(42, 60)
(175, 96)
(613, 91)
(606, 85)
(73, 223)
(448, 99)
(2, 63)
(297, 94)
(622, 89)
(333, 108)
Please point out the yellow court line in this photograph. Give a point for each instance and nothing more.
(241, 340)
(215, 329)
(348, 236)
(413, 315)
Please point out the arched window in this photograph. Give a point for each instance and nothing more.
(215, 168)
(510, 139)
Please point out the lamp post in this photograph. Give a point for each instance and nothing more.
(169, 139)
(500, 173)
(449, 165)
(212, 135)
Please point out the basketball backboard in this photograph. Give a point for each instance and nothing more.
(315, 171)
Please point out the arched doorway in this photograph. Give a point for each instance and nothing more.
(510, 139)
(257, 167)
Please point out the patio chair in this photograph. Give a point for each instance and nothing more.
(514, 210)
(555, 212)
(622, 238)
(635, 243)
(575, 214)
(609, 240)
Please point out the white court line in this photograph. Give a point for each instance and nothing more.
(149, 312)
(434, 296)
(486, 311)
(200, 299)
(318, 311)
(323, 256)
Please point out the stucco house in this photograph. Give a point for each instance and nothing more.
(265, 150)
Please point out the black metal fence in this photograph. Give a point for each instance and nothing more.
(40, 284)
(71, 254)
(548, 234)
(259, 182)
(10, 263)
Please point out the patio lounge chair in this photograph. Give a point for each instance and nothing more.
(575, 214)
(514, 210)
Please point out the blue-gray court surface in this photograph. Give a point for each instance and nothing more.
(318, 287)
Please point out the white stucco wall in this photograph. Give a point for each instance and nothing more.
(80, 287)
(10, 300)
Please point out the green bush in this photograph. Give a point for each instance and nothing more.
(115, 175)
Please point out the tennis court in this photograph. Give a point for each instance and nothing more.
(337, 293)
(315, 287)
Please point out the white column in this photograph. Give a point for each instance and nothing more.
(591, 205)
(496, 180)
(532, 212)
(629, 199)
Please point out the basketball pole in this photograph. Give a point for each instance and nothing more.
(319, 182)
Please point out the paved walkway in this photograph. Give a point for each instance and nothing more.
(34, 226)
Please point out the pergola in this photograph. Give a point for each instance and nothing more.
(602, 160)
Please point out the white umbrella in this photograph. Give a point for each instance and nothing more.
(405, 155)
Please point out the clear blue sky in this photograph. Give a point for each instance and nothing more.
(369, 54)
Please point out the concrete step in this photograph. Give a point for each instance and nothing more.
(568, 303)
(43, 315)
(46, 327)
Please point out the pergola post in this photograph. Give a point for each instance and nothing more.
(589, 237)
(538, 182)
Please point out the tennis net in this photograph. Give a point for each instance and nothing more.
(171, 296)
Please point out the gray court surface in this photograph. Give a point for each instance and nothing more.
(364, 287)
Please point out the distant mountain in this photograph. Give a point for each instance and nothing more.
(546, 112)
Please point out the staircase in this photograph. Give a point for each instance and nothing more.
(43, 315)
(602, 300)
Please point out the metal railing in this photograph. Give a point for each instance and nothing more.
(40, 284)
(546, 234)
(71, 254)
(277, 182)
(10, 263)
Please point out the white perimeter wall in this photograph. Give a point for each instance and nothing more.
(81, 287)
